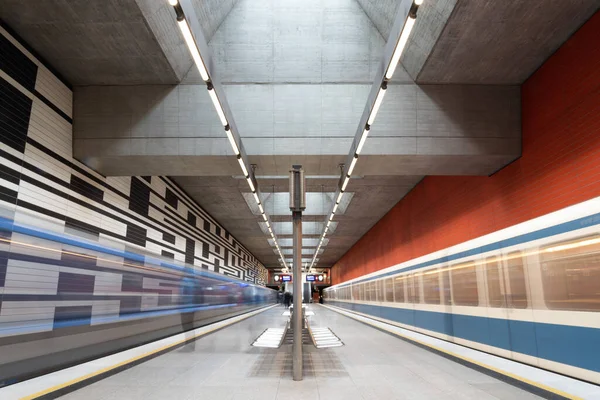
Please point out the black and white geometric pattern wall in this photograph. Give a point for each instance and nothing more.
(42, 185)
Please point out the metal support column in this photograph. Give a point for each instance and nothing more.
(297, 205)
(297, 322)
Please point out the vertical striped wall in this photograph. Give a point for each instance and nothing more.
(43, 186)
(559, 167)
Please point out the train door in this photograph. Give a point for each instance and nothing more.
(497, 311)
(519, 311)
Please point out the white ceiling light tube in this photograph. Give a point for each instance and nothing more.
(251, 184)
(328, 223)
(191, 44)
(173, 2)
(331, 217)
(408, 26)
(234, 145)
(378, 101)
(346, 180)
(243, 166)
(362, 141)
(335, 207)
(339, 198)
(352, 164)
(256, 198)
(217, 104)
(261, 209)
(265, 218)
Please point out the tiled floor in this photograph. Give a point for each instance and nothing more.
(371, 365)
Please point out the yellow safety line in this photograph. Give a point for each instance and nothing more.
(103, 370)
(500, 371)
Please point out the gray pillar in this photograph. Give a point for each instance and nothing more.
(297, 205)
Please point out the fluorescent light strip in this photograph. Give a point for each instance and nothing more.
(191, 44)
(234, 145)
(256, 198)
(250, 183)
(361, 143)
(335, 207)
(408, 26)
(173, 2)
(265, 217)
(375, 109)
(346, 180)
(243, 166)
(331, 217)
(261, 209)
(339, 198)
(218, 107)
(328, 223)
(352, 165)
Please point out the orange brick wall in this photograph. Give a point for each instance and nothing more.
(560, 166)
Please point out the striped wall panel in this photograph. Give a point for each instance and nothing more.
(42, 185)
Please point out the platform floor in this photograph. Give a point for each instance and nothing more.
(371, 365)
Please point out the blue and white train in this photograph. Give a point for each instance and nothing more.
(530, 293)
(66, 300)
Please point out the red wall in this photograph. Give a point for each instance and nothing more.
(560, 166)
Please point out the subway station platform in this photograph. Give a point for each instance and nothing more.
(223, 364)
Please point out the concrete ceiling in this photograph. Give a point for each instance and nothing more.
(297, 74)
(488, 42)
(110, 42)
(368, 198)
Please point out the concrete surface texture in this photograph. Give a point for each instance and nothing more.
(297, 74)
(371, 365)
(110, 42)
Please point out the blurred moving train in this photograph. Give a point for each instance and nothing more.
(65, 300)
(530, 293)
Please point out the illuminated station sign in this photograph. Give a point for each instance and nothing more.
(282, 278)
(314, 278)
(318, 278)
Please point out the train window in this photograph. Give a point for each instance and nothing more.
(361, 291)
(493, 275)
(389, 289)
(380, 292)
(516, 278)
(446, 298)
(373, 286)
(464, 284)
(571, 275)
(431, 287)
(399, 289)
(354, 292)
(413, 289)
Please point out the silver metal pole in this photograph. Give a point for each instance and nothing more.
(297, 322)
(297, 205)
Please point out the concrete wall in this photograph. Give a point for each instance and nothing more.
(559, 167)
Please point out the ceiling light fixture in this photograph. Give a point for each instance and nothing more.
(335, 207)
(251, 184)
(234, 145)
(243, 166)
(352, 164)
(346, 180)
(191, 44)
(217, 104)
(363, 138)
(339, 198)
(408, 26)
(378, 101)
(256, 198)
